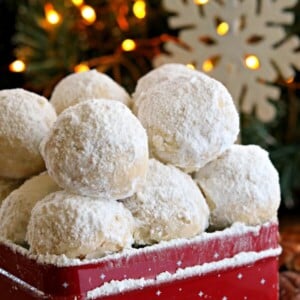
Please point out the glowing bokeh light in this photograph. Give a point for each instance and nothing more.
(139, 9)
(52, 16)
(207, 65)
(128, 45)
(222, 28)
(88, 14)
(81, 68)
(252, 62)
(17, 66)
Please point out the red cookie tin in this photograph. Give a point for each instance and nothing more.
(240, 262)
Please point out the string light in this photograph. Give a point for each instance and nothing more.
(52, 16)
(201, 2)
(77, 2)
(17, 66)
(222, 28)
(88, 14)
(191, 66)
(290, 80)
(139, 9)
(128, 45)
(81, 68)
(252, 62)
(207, 65)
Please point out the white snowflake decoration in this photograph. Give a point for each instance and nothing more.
(254, 28)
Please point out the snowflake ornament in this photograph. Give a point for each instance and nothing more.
(241, 43)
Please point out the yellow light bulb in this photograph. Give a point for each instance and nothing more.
(252, 62)
(290, 80)
(223, 28)
(201, 2)
(81, 68)
(207, 65)
(139, 9)
(52, 16)
(88, 13)
(17, 66)
(77, 2)
(128, 45)
(190, 66)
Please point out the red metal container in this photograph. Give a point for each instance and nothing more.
(237, 263)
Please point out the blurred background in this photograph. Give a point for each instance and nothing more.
(253, 47)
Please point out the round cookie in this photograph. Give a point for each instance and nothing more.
(78, 87)
(25, 118)
(168, 206)
(77, 226)
(7, 186)
(16, 208)
(155, 77)
(97, 148)
(241, 185)
(189, 120)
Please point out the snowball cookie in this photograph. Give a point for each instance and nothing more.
(168, 206)
(77, 226)
(25, 118)
(7, 186)
(156, 76)
(240, 186)
(79, 87)
(189, 120)
(16, 208)
(97, 148)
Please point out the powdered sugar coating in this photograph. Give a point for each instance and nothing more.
(97, 148)
(168, 206)
(25, 118)
(241, 185)
(122, 286)
(77, 226)
(78, 87)
(16, 208)
(189, 120)
(237, 229)
(7, 186)
(157, 76)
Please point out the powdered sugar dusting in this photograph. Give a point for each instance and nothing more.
(78, 226)
(25, 118)
(190, 120)
(240, 259)
(169, 205)
(237, 229)
(97, 148)
(241, 185)
(155, 77)
(16, 208)
(78, 87)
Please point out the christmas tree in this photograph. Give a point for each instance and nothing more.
(59, 37)
(121, 38)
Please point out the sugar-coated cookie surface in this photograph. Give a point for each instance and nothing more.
(7, 186)
(25, 118)
(97, 148)
(77, 226)
(16, 208)
(169, 205)
(156, 76)
(241, 185)
(78, 87)
(189, 120)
